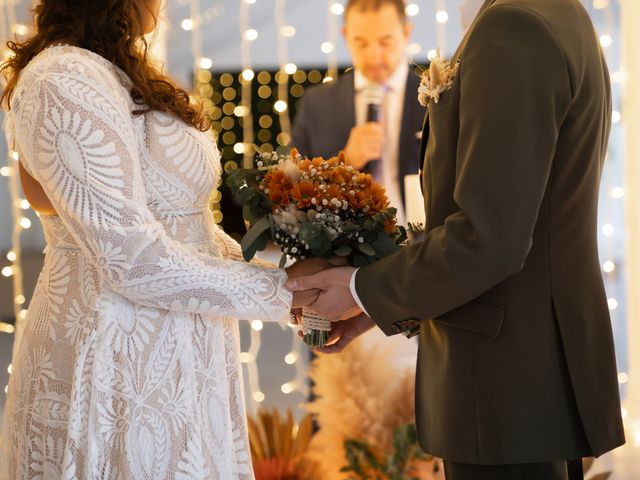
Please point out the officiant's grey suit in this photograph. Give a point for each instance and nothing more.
(516, 361)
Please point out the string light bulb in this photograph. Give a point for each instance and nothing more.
(442, 16)
(412, 10)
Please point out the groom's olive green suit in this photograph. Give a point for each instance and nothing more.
(516, 360)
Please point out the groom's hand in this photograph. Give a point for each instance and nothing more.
(344, 332)
(334, 301)
(304, 268)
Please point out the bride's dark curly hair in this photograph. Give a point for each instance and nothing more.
(114, 30)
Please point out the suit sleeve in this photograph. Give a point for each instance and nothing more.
(514, 94)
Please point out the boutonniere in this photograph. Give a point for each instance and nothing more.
(436, 80)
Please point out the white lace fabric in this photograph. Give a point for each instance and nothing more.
(128, 366)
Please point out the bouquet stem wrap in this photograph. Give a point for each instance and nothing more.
(315, 328)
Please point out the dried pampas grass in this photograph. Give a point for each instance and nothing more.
(360, 395)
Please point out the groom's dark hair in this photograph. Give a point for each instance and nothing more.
(365, 5)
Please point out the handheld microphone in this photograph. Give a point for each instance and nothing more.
(374, 96)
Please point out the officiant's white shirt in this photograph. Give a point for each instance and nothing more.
(392, 111)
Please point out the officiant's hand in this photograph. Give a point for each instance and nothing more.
(334, 301)
(364, 144)
(344, 332)
(308, 267)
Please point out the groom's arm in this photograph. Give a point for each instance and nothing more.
(515, 92)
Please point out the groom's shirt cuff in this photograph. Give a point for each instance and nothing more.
(354, 294)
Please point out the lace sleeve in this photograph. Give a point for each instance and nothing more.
(75, 130)
(231, 249)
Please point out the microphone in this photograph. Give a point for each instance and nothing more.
(374, 96)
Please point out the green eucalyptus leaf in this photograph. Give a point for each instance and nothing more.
(367, 249)
(343, 251)
(254, 239)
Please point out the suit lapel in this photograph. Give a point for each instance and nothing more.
(456, 56)
(345, 93)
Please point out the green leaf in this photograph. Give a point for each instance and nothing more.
(254, 239)
(367, 249)
(384, 245)
(343, 251)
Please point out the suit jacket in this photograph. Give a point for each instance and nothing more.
(327, 114)
(516, 360)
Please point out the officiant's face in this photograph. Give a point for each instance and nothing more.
(377, 40)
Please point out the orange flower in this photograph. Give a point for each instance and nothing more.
(390, 226)
(302, 193)
(278, 196)
(358, 200)
(378, 200)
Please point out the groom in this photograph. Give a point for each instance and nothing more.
(516, 366)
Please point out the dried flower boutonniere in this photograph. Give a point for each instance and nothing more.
(436, 80)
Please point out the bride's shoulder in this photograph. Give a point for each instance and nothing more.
(60, 62)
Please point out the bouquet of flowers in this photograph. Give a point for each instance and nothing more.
(315, 208)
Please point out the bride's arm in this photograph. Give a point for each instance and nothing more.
(74, 126)
(231, 249)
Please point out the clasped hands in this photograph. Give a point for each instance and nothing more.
(323, 285)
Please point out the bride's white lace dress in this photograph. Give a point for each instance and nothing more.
(128, 367)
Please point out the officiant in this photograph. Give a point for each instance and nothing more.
(371, 112)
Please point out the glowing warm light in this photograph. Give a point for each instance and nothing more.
(616, 117)
(414, 49)
(7, 271)
(25, 223)
(337, 9)
(206, 63)
(238, 148)
(290, 68)
(608, 266)
(431, 54)
(248, 74)
(326, 47)
(613, 303)
(291, 358)
(20, 29)
(20, 300)
(6, 171)
(24, 204)
(442, 16)
(606, 41)
(187, 24)
(600, 4)
(246, 357)
(11, 256)
(607, 229)
(7, 328)
(258, 397)
(286, 388)
(617, 192)
(251, 34)
(257, 325)
(280, 106)
(288, 31)
(623, 378)
(412, 10)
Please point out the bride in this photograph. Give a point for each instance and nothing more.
(128, 366)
